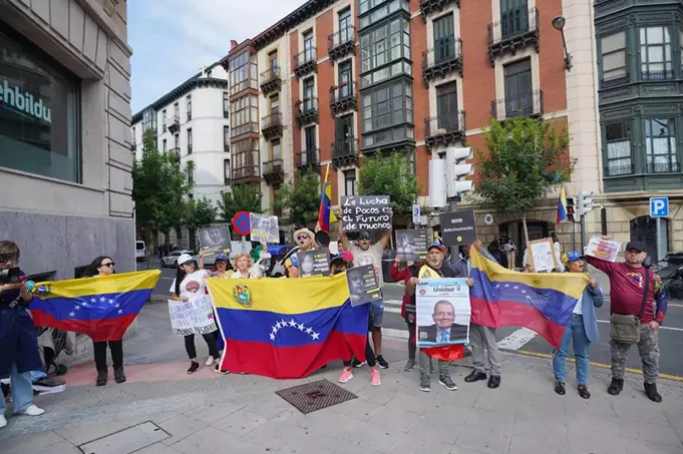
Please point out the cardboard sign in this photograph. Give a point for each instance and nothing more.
(411, 245)
(215, 240)
(194, 316)
(264, 228)
(314, 263)
(443, 312)
(458, 228)
(371, 213)
(363, 285)
(542, 255)
(603, 249)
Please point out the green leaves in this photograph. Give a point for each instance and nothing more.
(300, 198)
(526, 157)
(242, 197)
(393, 176)
(199, 213)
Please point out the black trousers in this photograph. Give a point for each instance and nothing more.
(100, 349)
(369, 355)
(211, 341)
(411, 340)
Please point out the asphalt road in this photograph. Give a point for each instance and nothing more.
(521, 340)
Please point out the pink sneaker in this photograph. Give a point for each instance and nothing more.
(345, 376)
(375, 377)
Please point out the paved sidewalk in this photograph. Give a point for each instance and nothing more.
(242, 414)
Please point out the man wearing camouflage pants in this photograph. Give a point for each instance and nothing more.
(627, 282)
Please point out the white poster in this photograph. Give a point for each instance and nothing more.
(542, 255)
(443, 312)
(264, 228)
(194, 316)
(603, 249)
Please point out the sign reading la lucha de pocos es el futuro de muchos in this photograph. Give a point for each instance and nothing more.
(23, 102)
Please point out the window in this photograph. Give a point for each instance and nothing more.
(244, 115)
(618, 144)
(134, 137)
(613, 49)
(384, 46)
(275, 104)
(164, 145)
(272, 58)
(226, 104)
(518, 90)
(176, 112)
(226, 138)
(343, 135)
(380, 13)
(660, 145)
(444, 39)
(345, 79)
(655, 53)
(309, 95)
(447, 107)
(189, 141)
(309, 138)
(386, 112)
(345, 24)
(350, 182)
(514, 17)
(190, 171)
(243, 73)
(308, 47)
(163, 120)
(40, 119)
(276, 150)
(188, 100)
(226, 172)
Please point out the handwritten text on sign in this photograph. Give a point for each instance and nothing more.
(366, 213)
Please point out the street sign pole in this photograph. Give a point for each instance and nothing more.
(661, 237)
(659, 208)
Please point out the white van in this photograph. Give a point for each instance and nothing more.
(140, 251)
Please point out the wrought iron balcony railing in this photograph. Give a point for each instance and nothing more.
(341, 42)
(514, 31)
(305, 62)
(524, 105)
(442, 59)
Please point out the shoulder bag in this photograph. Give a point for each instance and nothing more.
(625, 329)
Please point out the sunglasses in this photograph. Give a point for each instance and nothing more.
(4, 258)
(109, 265)
(364, 238)
(302, 237)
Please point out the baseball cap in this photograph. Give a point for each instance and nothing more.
(345, 256)
(185, 258)
(438, 246)
(571, 257)
(221, 257)
(637, 245)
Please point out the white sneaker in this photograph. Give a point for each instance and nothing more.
(32, 411)
(209, 361)
(3, 421)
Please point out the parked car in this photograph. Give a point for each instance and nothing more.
(171, 260)
(140, 251)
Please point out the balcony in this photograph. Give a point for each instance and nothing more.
(615, 81)
(307, 111)
(445, 130)
(174, 124)
(246, 174)
(345, 152)
(343, 97)
(309, 159)
(525, 105)
(670, 166)
(515, 31)
(271, 81)
(305, 62)
(442, 59)
(431, 6)
(657, 75)
(341, 43)
(273, 171)
(271, 126)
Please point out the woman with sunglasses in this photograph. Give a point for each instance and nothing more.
(190, 282)
(103, 266)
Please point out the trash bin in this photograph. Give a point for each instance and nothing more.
(387, 260)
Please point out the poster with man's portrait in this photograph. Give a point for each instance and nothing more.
(264, 228)
(314, 263)
(363, 285)
(411, 245)
(443, 312)
(215, 240)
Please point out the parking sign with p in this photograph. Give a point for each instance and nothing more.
(659, 207)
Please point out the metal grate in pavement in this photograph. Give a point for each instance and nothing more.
(315, 396)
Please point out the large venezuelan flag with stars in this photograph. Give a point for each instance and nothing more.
(541, 302)
(101, 307)
(287, 328)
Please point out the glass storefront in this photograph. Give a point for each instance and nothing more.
(39, 112)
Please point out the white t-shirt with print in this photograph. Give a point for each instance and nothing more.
(372, 256)
(193, 284)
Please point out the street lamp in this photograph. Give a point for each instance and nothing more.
(558, 24)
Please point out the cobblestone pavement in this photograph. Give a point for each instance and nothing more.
(242, 413)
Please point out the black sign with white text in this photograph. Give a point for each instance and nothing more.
(458, 228)
(314, 263)
(371, 213)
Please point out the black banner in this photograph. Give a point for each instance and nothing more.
(314, 263)
(411, 245)
(458, 229)
(371, 213)
(363, 285)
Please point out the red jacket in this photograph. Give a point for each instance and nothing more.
(405, 275)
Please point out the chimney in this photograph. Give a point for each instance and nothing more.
(233, 44)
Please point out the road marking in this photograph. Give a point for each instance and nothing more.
(395, 333)
(168, 278)
(674, 305)
(668, 328)
(517, 340)
(600, 365)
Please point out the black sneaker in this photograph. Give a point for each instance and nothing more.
(448, 383)
(494, 381)
(425, 384)
(194, 367)
(119, 376)
(616, 386)
(382, 363)
(221, 371)
(357, 363)
(651, 391)
(101, 379)
(583, 392)
(559, 388)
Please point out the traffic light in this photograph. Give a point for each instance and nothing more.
(571, 209)
(585, 202)
(457, 171)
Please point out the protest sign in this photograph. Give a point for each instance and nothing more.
(542, 255)
(363, 285)
(369, 213)
(314, 263)
(264, 228)
(411, 245)
(603, 249)
(458, 229)
(194, 316)
(215, 240)
(443, 312)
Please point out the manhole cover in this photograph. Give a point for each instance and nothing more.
(315, 396)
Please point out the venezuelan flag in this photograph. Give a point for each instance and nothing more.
(562, 205)
(325, 215)
(101, 307)
(541, 302)
(287, 328)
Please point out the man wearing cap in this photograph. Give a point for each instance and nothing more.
(627, 291)
(581, 331)
(367, 253)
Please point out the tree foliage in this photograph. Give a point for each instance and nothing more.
(393, 176)
(300, 199)
(159, 189)
(242, 197)
(199, 213)
(525, 158)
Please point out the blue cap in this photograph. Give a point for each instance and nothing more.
(437, 245)
(571, 256)
(222, 257)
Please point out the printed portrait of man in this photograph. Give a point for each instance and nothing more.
(444, 330)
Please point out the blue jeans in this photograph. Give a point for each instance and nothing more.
(22, 391)
(377, 313)
(575, 332)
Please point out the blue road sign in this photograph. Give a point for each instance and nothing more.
(659, 207)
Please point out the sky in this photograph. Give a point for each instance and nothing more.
(173, 39)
